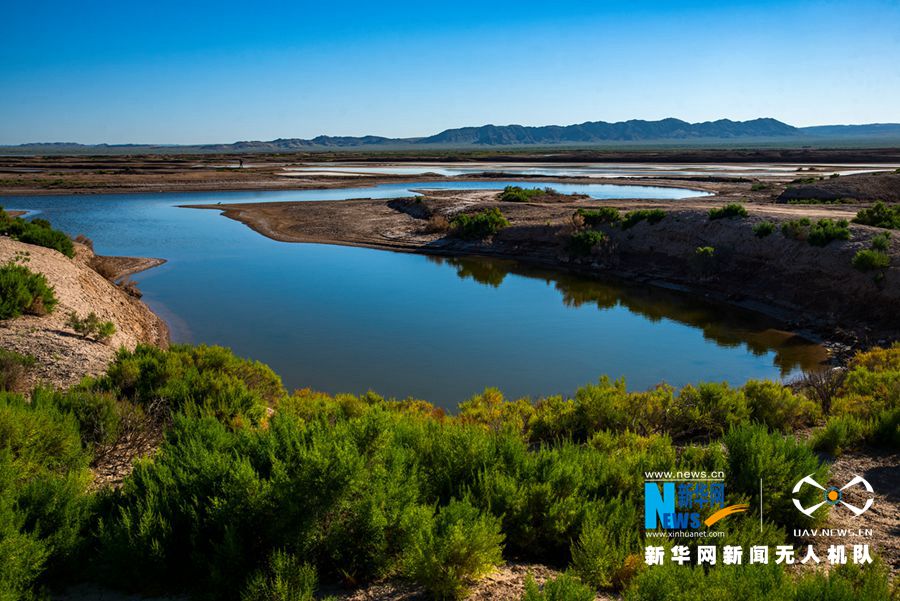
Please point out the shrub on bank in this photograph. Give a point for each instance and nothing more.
(826, 230)
(564, 587)
(868, 260)
(796, 229)
(763, 229)
(651, 216)
(583, 242)
(91, 327)
(14, 369)
(730, 210)
(601, 216)
(459, 545)
(481, 225)
(24, 291)
(880, 215)
(36, 231)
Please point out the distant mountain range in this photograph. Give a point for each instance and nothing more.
(671, 131)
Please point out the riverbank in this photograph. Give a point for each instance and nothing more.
(813, 289)
(63, 358)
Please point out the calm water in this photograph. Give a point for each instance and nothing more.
(349, 319)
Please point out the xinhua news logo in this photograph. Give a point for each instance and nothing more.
(686, 502)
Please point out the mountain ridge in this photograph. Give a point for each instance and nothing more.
(490, 135)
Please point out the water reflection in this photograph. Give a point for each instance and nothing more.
(726, 326)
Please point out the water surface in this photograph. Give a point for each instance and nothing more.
(349, 319)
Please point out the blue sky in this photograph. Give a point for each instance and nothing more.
(192, 72)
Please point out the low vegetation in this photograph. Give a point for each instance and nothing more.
(880, 215)
(876, 257)
(583, 242)
(36, 231)
(598, 217)
(14, 370)
(242, 503)
(24, 291)
(477, 226)
(518, 194)
(91, 326)
(651, 216)
(763, 229)
(820, 233)
(728, 211)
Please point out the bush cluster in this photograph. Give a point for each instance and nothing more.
(763, 229)
(480, 225)
(14, 368)
(24, 291)
(36, 231)
(733, 209)
(876, 257)
(583, 242)
(519, 194)
(90, 326)
(819, 233)
(601, 216)
(880, 215)
(651, 216)
(241, 503)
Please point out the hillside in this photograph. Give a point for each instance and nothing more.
(597, 133)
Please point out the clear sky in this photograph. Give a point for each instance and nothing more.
(195, 72)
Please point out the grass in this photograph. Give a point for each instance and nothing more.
(730, 210)
(477, 226)
(651, 216)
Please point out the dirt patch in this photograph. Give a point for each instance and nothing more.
(863, 187)
(63, 358)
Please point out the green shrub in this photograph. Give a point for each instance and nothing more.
(705, 252)
(880, 215)
(777, 407)
(601, 216)
(841, 433)
(477, 226)
(459, 545)
(707, 410)
(564, 587)
(38, 232)
(518, 194)
(867, 260)
(763, 229)
(91, 326)
(285, 578)
(23, 291)
(733, 209)
(755, 454)
(609, 544)
(796, 229)
(651, 216)
(881, 241)
(43, 506)
(826, 230)
(583, 242)
(14, 369)
(759, 186)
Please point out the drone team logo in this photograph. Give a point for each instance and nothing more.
(833, 495)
